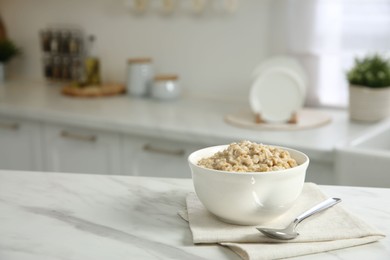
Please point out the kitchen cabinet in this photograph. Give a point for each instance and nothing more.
(155, 157)
(20, 144)
(174, 128)
(74, 149)
(321, 172)
(28, 145)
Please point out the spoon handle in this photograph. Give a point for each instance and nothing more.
(318, 208)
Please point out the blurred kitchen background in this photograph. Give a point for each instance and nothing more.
(214, 46)
(215, 49)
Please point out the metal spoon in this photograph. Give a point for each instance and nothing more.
(289, 232)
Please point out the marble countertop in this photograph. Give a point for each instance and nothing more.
(83, 216)
(196, 120)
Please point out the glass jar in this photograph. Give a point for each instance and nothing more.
(56, 70)
(165, 87)
(54, 42)
(139, 76)
(65, 39)
(48, 67)
(46, 40)
(65, 69)
(76, 70)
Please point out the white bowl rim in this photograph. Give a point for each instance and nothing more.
(302, 165)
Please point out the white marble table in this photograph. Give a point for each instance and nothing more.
(79, 216)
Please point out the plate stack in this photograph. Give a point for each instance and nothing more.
(278, 91)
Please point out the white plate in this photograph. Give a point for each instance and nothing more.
(276, 94)
(286, 62)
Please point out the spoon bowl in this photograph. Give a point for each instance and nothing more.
(284, 233)
(290, 231)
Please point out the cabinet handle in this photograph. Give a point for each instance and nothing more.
(150, 148)
(87, 138)
(10, 126)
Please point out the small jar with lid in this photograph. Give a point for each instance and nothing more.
(165, 87)
(139, 76)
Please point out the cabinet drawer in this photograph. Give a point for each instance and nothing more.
(80, 150)
(156, 157)
(20, 144)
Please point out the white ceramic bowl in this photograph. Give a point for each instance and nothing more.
(247, 198)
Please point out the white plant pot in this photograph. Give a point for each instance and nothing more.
(369, 104)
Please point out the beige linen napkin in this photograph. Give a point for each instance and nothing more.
(333, 229)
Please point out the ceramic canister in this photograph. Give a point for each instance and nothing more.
(165, 87)
(139, 76)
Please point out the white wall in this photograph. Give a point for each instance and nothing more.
(214, 54)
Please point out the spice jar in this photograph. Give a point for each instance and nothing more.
(139, 76)
(56, 69)
(45, 40)
(165, 87)
(65, 42)
(74, 43)
(48, 67)
(54, 42)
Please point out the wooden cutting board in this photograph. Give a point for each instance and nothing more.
(94, 91)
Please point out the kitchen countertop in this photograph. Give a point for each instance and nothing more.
(194, 120)
(83, 216)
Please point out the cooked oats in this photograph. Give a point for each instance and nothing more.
(247, 156)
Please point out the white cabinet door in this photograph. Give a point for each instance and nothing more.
(157, 157)
(20, 145)
(79, 150)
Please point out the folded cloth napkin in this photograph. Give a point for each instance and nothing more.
(332, 229)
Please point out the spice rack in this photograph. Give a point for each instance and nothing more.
(63, 54)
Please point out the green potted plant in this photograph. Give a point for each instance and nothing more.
(8, 50)
(369, 88)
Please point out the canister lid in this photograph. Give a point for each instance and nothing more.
(163, 77)
(139, 60)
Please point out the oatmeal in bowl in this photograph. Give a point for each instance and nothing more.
(247, 183)
(246, 156)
